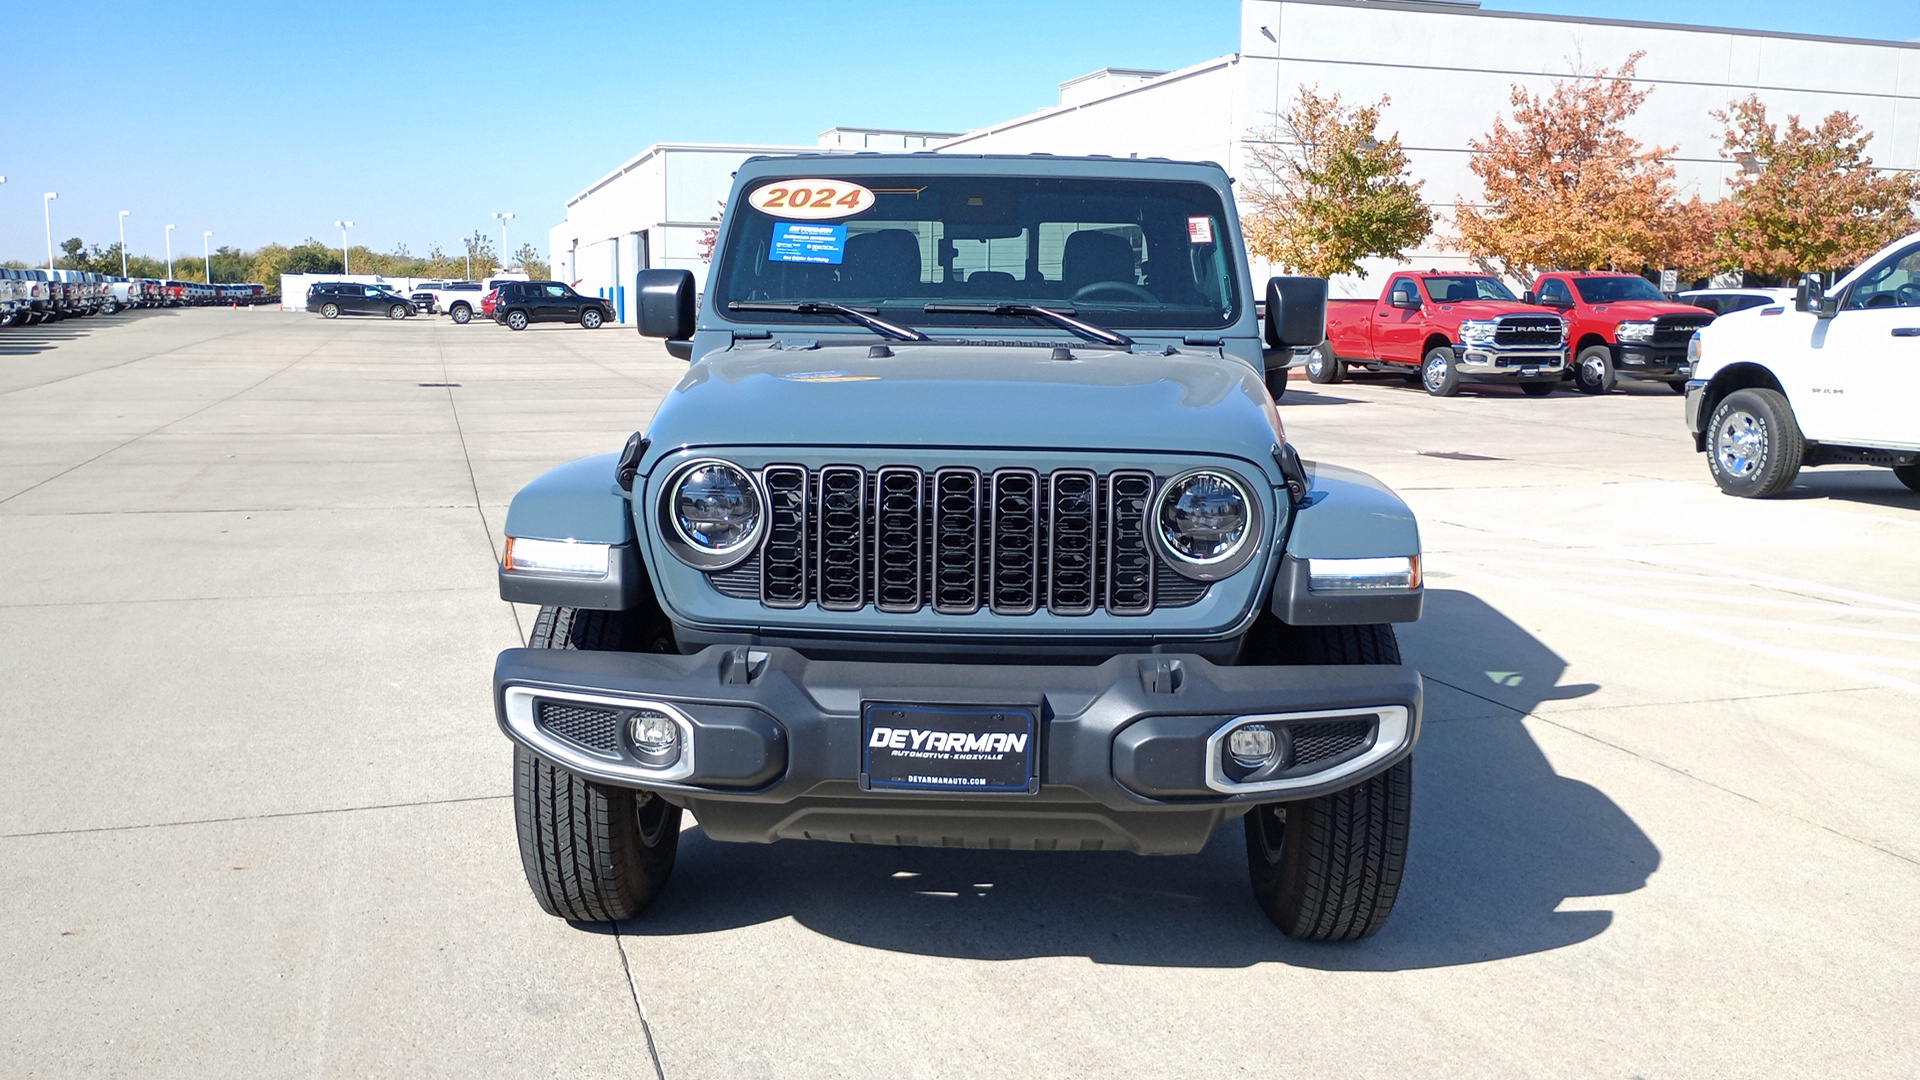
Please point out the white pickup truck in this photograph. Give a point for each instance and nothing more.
(1832, 378)
(460, 300)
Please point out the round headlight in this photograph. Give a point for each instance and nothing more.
(713, 512)
(1206, 522)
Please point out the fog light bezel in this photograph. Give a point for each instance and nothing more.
(519, 702)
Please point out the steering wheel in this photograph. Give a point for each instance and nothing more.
(1881, 299)
(1909, 295)
(1116, 289)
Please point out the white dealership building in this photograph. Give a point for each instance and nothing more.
(1448, 67)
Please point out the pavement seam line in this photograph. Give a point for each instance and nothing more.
(323, 811)
(263, 380)
(640, 1011)
(473, 481)
(1676, 770)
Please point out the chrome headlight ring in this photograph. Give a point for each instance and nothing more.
(689, 548)
(1236, 555)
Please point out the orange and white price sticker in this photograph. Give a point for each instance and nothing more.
(810, 200)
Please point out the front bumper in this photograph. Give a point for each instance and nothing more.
(1486, 364)
(1665, 363)
(1127, 751)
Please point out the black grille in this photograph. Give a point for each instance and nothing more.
(843, 540)
(1013, 540)
(1524, 330)
(592, 727)
(956, 541)
(1322, 742)
(1674, 331)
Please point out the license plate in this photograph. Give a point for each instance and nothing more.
(948, 747)
(1529, 371)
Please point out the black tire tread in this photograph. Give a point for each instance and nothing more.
(1342, 855)
(580, 842)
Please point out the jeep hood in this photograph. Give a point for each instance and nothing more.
(967, 396)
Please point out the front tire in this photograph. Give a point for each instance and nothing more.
(1754, 445)
(591, 852)
(1323, 367)
(516, 320)
(329, 311)
(1593, 371)
(397, 311)
(1438, 373)
(590, 319)
(1329, 868)
(462, 314)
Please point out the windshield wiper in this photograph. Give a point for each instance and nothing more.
(828, 307)
(1062, 318)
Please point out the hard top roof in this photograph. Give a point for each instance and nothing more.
(930, 163)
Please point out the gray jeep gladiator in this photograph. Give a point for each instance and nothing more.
(972, 524)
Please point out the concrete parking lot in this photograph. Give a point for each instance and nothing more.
(255, 817)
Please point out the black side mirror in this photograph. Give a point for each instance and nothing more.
(666, 307)
(1296, 312)
(1528, 297)
(1404, 300)
(1811, 295)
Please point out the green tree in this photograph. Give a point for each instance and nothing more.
(1328, 192)
(530, 263)
(480, 249)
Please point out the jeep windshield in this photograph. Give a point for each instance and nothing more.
(956, 251)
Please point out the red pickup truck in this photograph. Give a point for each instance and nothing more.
(1621, 327)
(1444, 329)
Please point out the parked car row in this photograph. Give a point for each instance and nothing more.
(31, 296)
(1448, 329)
(511, 302)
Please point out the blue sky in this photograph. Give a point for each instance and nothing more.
(417, 121)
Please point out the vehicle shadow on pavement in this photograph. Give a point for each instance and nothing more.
(28, 340)
(1872, 486)
(1500, 842)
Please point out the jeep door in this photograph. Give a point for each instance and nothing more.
(556, 303)
(1863, 370)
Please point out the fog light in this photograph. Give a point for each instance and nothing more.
(655, 737)
(1252, 746)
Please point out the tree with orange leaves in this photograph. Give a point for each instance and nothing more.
(1807, 198)
(1566, 188)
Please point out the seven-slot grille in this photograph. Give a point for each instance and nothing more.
(958, 540)
(1674, 331)
(1524, 330)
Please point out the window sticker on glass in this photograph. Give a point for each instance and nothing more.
(1199, 230)
(811, 200)
(800, 242)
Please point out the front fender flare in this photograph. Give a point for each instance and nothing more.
(583, 502)
(1346, 514)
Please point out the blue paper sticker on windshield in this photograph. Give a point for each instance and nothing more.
(804, 242)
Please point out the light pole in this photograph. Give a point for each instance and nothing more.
(206, 253)
(469, 260)
(123, 242)
(504, 217)
(170, 252)
(343, 247)
(46, 204)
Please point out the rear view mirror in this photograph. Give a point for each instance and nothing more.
(1811, 295)
(666, 308)
(1528, 297)
(1404, 300)
(1296, 312)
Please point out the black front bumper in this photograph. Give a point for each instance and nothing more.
(1128, 751)
(1662, 362)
